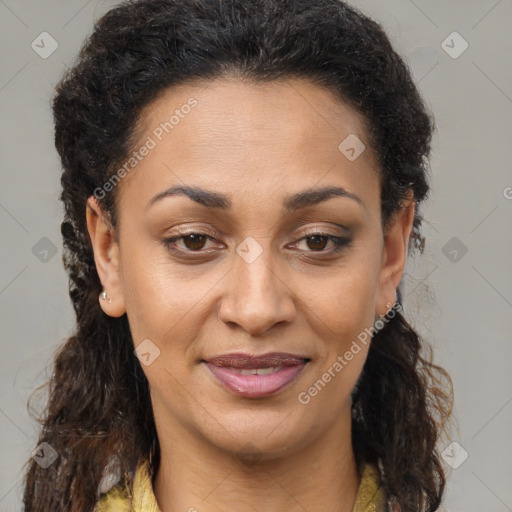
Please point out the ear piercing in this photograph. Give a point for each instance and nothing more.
(388, 307)
(105, 297)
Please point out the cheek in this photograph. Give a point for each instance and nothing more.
(153, 299)
(341, 316)
(345, 300)
(166, 302)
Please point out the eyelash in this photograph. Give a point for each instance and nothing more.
(340, 243)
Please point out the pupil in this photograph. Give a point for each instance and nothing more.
(196, 239)
(315, 239)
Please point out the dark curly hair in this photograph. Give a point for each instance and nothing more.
(99, 413)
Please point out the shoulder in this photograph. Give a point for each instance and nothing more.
(370, 496)
(135, 495)
(117, 499)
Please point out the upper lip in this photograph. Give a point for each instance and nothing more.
(249, 361)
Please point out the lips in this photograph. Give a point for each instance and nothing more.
(248, 361)
(256, 376)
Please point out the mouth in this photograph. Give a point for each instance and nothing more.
(256, 376)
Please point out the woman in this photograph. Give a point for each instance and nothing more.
(241, 183)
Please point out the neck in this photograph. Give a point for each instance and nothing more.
(195, 475)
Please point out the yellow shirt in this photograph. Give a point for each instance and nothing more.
(369, 496)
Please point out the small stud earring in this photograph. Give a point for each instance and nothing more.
(105, 297)
(388, 307)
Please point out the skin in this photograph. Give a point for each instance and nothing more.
(256, 143)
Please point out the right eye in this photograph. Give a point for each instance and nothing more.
(193, 242)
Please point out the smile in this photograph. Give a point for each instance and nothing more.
(255, 382)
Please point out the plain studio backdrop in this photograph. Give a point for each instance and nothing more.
(458, 293)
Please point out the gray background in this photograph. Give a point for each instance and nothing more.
(460, 301)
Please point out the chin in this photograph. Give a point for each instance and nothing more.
(269, 441)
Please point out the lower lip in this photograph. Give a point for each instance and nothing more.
(255, 385)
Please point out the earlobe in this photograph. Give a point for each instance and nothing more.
(394, 256)
(106, 258)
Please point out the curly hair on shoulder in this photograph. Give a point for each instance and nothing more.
(99, 411)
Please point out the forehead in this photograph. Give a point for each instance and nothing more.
(251, 137)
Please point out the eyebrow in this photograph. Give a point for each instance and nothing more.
(210, 199)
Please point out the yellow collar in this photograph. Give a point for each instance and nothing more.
(142, 499)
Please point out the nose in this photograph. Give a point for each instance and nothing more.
(257, 296)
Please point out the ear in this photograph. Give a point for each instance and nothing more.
(394, 257)
(106, 257)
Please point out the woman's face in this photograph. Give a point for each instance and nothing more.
(258, 268)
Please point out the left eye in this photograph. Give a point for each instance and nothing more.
(319, 240)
